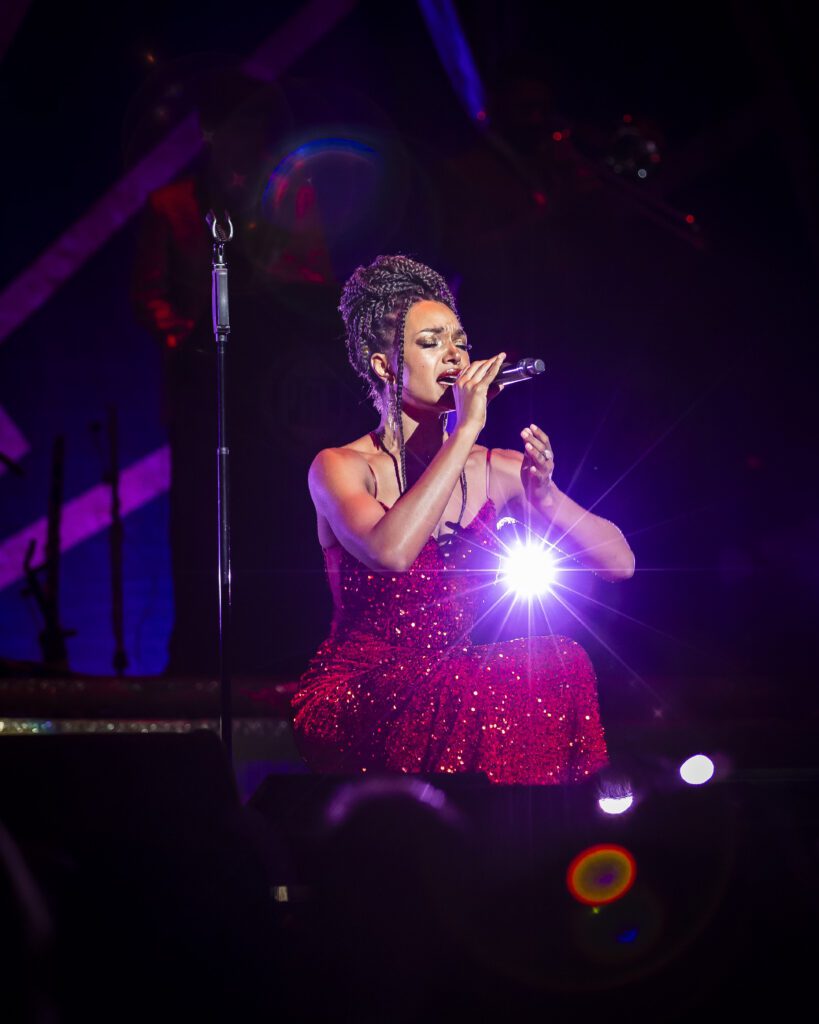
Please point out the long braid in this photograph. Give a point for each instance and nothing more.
(399, 390)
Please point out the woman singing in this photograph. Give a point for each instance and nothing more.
(398, 685)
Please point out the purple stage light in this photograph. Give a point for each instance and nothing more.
(456, 56)
(13, 444)
(89, 513)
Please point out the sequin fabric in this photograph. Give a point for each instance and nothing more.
(399, 686)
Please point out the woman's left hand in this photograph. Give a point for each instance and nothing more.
(537, 466)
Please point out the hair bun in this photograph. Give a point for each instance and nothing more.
(388, 279)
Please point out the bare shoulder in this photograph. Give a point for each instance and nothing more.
(344, 465)
(506, 461)
(478, 453)
(353, 451)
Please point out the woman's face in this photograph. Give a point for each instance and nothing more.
(435, 346)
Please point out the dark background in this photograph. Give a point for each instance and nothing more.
(678, 396)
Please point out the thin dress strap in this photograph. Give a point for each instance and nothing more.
(375, 440)
(488, 465)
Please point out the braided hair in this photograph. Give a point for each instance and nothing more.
(374, 306)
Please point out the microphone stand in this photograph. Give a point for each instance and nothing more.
(47, 595)
(221, 329)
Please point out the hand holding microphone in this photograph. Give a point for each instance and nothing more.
(512, 373)
(482, 380)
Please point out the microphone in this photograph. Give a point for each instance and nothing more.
(511, 373)
(523, 369)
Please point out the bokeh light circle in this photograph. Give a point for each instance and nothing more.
(601, 874)
(339, 190)
(697, 770)
(615, 804)
(337, 175)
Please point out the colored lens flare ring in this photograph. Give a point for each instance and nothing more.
(601, 874)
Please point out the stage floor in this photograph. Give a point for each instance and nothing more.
(746, 740)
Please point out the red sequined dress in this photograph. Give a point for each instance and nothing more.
(398, 686)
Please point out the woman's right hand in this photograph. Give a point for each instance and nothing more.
(473, 389)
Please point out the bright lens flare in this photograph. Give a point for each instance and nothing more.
(528, 570)
(697, 770)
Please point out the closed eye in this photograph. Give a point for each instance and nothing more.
(460, 339)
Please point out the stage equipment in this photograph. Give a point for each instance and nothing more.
(222, 234)
(47, 594)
